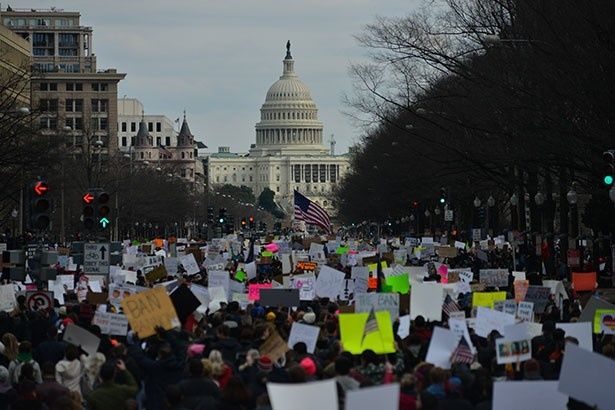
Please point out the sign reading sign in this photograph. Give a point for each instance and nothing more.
(96, 258)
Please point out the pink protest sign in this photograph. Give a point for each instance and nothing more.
(254, 290)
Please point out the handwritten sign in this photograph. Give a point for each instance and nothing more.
(147, 310)
(539, 295)
(254, 290)
(303, 333)
(494, 277)
(526, 311)
(111, 323)
(364, 302)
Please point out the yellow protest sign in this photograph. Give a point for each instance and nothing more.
(147, 310)
(373, 267)
(352, 326)
(486, 299)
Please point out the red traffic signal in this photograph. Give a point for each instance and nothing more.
(41, 188)
(251, 219)
(88, 198)
(415, 204)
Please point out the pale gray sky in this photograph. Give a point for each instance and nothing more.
(217, 58)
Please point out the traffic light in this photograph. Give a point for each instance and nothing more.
(103, 211)
(415, 204)
(40, 206)
(210, 214)
(442, 198)
(251, 220)
(88, 213)
(221, 216)
(609, 167)
(243, 223)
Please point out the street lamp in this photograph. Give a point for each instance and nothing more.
(539, 198)
(571, 196)
(491, 201)
(477, 202)
(514, 199)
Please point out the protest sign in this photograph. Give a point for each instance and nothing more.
(189, 263)
(149, 309)
(589, 311)
(321, 395)
(426, 300)
(446, 251)
(364, 302)
(329, 283)
(587, 376)
(525, 311)
(584, 281)
(279, 297)
(539, 295)
(441, 346)
(604, 321)
(352, 328)
(275, 347)
(399, 283)
(184, 302)
(460, 315)
(8, 302)
(78, 336)
(219, 278)
(254, 290)
(487, 299)
(494, 277)
(460, 328)
(521, 287)
(522, 331)
(303, 333)
(113, 324)
(489, 319)
(403, 330)
(508, 351)
(582, 331)
(305, 284)
(217, 295)
(528, 395)
(518, 275)
(384, 397)
(159, 272)
(360, 274)
(465, 275)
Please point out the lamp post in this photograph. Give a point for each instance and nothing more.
(539, 200)
(572, 199)
(490, 213)
(514, 211)
(66, 129)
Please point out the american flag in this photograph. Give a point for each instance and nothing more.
(463, 353)
(311, 213)
(450, 305)
(371, 326)
(164, 151)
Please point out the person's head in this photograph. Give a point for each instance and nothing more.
(165, 350)
(107, 371)
(426, 401)
(11, 346)
(369, 356)
(296, 374)
(308, 366)
(27, 372)
(173, 395)
(25, 347)
(300, 348)
(223, 332)
(207, 368)
(71, 353)
(195, 367)
(215, 356)
(548, 327)
(419, 321)
(407, 381)
(265, 364)
(437, 375)
(343, 365)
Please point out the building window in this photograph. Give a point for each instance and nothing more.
(124, 141)
(74, 105)
(100, 124)
(49, 86)
(133, 127)
(243, 178)
(183, 155)
(48, 105)
(142, 155)
(277, 178)
(99, 86)
(74, 87)
(132, 140)
(225, 179)
(150, 126)
(308, 173)
(167, 141)
(99, 105)
(314, 173)
(323, 173)
(158, 141)
(332, 173)
(250, 178)
(75, 123)
(217, 179)
(48, 123)
(158, 127)
(124, 126)
(277, 189)
(297, 173)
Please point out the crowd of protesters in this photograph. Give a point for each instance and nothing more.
(215, 361)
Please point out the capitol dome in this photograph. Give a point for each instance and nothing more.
(289, 116)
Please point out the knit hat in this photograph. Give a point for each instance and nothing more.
(309, 366)
(195, 349)
(265, 364)
(309, 317)
(270, 316)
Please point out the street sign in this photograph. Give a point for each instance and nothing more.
(448, 215)
(96, 258)
(476, 234)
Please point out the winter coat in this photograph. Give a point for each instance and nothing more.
(69, 374)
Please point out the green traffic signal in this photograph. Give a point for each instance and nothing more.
(104, 222)
(608, 180)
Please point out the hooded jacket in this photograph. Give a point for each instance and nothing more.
(69, 373)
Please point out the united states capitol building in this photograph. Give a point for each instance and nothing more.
(289, 153)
